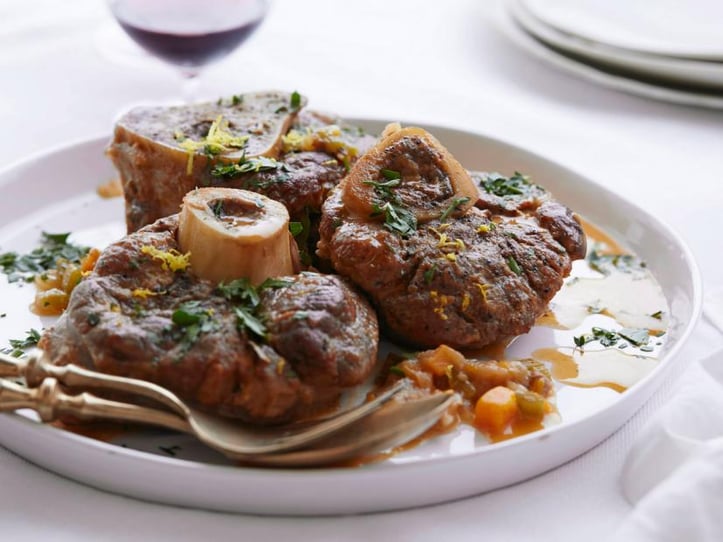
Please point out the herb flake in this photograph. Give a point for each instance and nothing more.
(514, 266)
(499, 185)
(18, 346)
(53, 247)
(456, 202)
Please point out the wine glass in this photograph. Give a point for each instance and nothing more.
(189, 34)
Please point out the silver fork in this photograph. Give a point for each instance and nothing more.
(228, 436)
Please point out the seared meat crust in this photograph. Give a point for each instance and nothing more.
(153, 169)
(322, 336)
(466, 282)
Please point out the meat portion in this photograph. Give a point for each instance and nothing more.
(259, 142)
(464, 279)
(267, 359)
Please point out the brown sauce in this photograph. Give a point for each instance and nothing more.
(103, 431)
(595, 234)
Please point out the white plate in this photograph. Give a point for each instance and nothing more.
(63, 184)
(687, 29)
(667, 70)
(598, 75)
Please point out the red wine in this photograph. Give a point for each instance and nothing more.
(189, 33)
(190, 49)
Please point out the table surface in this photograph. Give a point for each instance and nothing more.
(66, 71)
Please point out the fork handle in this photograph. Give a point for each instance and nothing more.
(50, 402)
(35, 368)
(11, 366)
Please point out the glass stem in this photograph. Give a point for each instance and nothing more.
(190, 85)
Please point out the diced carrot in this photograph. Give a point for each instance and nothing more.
(50, 302)
(71, 277)
(88, 263)
(47, 280)
(438, 360)
(496, 409)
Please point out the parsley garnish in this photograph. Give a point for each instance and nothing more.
(296, 228)
(391, 175)
(607, 263)
(301, 231)
(429, 274)
(191, 320)
(456, 202)
(248, 320)
(383, 189)
(397, 218)
(295, 101)
(18, 346)
(514, 266)
(247, 165)
(397, 370)
(247, 299)
(237, 99)
(217, 208)
(516, 185)
(635, 336)
(53, 247)
(657, 315)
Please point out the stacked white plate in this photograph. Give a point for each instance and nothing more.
(665, 49)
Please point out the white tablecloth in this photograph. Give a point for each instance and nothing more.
(443, 62)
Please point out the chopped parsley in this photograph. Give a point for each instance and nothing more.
(456, 202)
(301, 230)
(53, 247)
(247, 165)
(295, 101)
(391, 175)
(190, 321)
(635, 336)
(18, 346)
(296, 228)
(499, 185)
(514, 266)
(608, 263)
(397, 218)
(397, 370)
(429, 274)
(247, 299)
(657, 315)
(217, 208)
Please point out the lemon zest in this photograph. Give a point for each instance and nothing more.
(483, 290)
(327, 138)
(442, 301)
(466, 299)
(219, 140)
(171, 259)
(143, 293)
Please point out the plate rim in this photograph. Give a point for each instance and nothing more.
(643, 389)
(709, 75)
(529, 44)
(690, 53)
